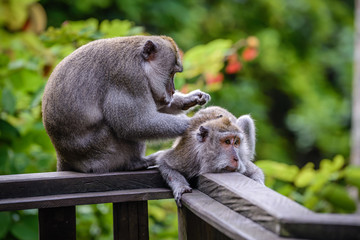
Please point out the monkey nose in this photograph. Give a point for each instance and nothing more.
(235, 159)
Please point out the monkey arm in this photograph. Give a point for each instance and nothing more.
(131, 119)
(254, 172)
(182, 102)
(175, 180)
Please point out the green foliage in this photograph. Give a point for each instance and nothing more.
(293, 75)
(163, 220)
(321, 190)
(26, 61)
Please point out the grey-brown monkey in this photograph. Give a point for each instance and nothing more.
(106, 98)
(215, 142)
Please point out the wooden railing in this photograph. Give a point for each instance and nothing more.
(225, 206)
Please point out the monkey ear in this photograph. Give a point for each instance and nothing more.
(149, 50)
(202, 134)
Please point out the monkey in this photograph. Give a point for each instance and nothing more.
(215, 142)
(103, 101)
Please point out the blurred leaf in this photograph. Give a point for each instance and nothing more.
(115, 28)
(319, 181)
(26, 229)
(8, 101)
(305, 176)
(20, 161)
(286, 190)
(310, 201)
(7, 131)
(352, 176)
(339, 197)
(25, 80)
(278, 170)
(332, 166)
(5, 219)
(4, 158)
(207, 58)
(37, 96)
(338, 162)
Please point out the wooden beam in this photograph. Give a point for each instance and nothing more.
(58, 189)
(131, 220)
(203, 218)
(62, 200)
(57, 223)
(55, 183)
(275, 212)
(355, 129)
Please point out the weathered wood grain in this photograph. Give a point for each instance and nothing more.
(131, 220)
(274, 211)
(217, 221)
(55, 183)
(57, 223)
(84, 198)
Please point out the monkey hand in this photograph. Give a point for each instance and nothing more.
(194, 98)
(178, 192)
(255, 173)
(182, 102)
(258, 178)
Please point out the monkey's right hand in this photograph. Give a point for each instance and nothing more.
(194, 98)
(179, 192)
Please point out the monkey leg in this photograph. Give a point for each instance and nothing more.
(175, 180)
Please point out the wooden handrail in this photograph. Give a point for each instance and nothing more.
(59, 189)
(224, 206)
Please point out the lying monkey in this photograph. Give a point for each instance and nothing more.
(215, 142)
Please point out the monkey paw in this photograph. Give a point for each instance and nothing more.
(194, 98)
(179, 192)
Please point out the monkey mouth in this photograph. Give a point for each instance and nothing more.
(230, 169)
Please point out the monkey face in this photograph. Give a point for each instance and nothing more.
(230, 144)
(162, 61)
(230, 159)
(222, 150)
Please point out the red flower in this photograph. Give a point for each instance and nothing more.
(233, 67)
(211, 79)
(249, 53)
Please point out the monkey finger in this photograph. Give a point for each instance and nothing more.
(204, 98)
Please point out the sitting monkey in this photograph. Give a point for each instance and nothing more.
(215, 142)
(106, 98)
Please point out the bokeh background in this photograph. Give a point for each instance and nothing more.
(287, 63)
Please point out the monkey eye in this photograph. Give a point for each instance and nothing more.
(237, 142)
(227, 141)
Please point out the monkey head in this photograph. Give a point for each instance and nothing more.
(223, 146)
(161, 61)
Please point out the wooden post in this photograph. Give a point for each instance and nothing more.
(131, 220)
(355, 132)
(57, 223)
(191, 227)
